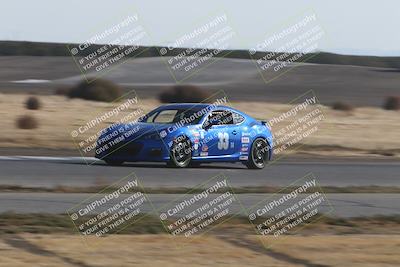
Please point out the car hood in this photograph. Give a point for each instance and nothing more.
(141, 129)
(137, 130)
(134, 129)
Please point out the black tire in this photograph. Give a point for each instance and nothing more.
(113, 162)
(259, 154)
(181, 153)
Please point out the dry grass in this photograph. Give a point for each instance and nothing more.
(184, 94)
(352, 250)
(343, 106)
(365, 129)
(27, 122)
(159, 250)
(33, 103)
(98, 90)
(392, 103)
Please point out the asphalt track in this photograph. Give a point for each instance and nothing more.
(340, 205)
(31, 171)
(74, 171)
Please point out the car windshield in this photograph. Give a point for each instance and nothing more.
(174, 115)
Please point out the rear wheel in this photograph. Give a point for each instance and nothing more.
(259, 154)
(181, 153)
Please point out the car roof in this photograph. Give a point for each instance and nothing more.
(199, 106)
(191, 105)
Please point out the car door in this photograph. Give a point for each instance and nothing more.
(222, 137)
(237, 133)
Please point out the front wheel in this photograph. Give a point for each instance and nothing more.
(181, 153)
(259, 154)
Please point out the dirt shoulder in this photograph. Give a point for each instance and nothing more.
(51, 240)
(226, 250)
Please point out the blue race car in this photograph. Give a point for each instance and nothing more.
(186, 135)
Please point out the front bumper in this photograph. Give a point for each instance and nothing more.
(136, 150)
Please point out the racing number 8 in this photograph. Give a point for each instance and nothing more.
(223, 142)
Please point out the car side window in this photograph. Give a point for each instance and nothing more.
(237, 118)
(220, 117)
(150, 118)
(165, 116)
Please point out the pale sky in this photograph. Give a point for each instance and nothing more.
(353, 26)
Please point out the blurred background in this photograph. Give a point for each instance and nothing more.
(63, 64)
